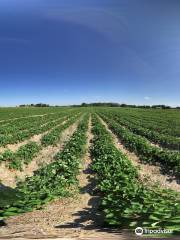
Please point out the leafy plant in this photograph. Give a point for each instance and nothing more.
(52, 180)
(126, 200)
(170, 160)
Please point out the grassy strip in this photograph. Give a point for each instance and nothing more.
(127, 202)
(53, 180)
(170, 160)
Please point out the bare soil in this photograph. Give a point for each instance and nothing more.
(77, 217)
(149, 172)
(9, 177)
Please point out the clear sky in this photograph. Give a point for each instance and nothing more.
(73, 51)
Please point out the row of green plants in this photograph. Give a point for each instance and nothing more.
(166, 122)
(126, 200)
(39, 127)
(165, 141)
(10, 114)
(27, 123)
(169, 160)
(53, 136)
(27, 152)
(23, 155)
(53, 180)
(20, 125)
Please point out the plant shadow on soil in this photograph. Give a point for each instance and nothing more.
(164, 170)
(171, 175)
(7, 196)
(91, 217)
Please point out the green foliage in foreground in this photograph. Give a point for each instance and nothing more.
(126, 200)
(52, 180)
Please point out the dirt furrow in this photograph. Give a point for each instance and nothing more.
(149, 172)
(9, 177)
(83, 218)
(78, 217)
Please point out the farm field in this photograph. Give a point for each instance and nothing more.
(88, 171)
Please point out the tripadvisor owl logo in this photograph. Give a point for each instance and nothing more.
(139, 231)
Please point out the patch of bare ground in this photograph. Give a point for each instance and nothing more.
(9, 177)
(76, 217)
(147, 172)
(36, 138)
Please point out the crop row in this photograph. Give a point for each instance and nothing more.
(169, 160)
(166, 122)
(24, 154)
(127, 201)
(31, 129)
(22, 124)
(27, 152)
(52, 180)
(23, 135)
(53, 136)
(12, 114)
(165, 141)
(26, 123)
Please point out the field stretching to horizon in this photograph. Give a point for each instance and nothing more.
(88, 171)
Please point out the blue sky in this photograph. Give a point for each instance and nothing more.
(73, 51)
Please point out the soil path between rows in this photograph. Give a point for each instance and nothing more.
(73, 218)
(9, 177)
(146, 171)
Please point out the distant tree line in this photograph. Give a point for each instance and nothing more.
(104, 104)
(110, 104)
(35, 105)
